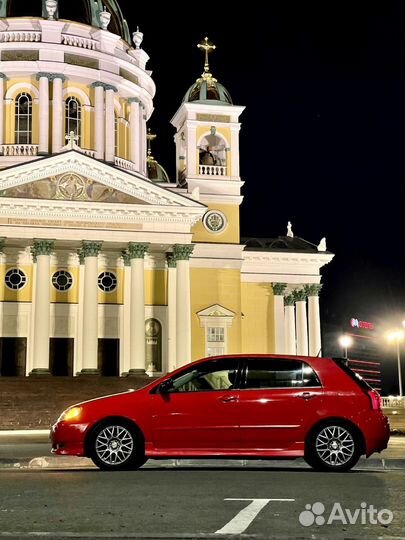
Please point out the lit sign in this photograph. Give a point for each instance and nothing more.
(355, 323)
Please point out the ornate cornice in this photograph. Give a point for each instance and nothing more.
(182, 252)
(299, 295)
(313, 289)
(90, 249)
(104, 85)
(42, 247)
(137, 250)
(289, 300)
(279, 288)
(171, 261)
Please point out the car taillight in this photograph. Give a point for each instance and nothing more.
(375, 400)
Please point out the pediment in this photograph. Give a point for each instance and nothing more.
(216, 310)
(76, 177)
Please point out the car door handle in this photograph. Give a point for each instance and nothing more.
(306, 395)
(228, 399)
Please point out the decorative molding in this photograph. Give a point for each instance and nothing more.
(289, 300)
(279, 288)
(137, 250)
(299, 295)
(42, 247)
(171, 260)
(126, 258)
(313, 289)
(182, 252)
(90, 249)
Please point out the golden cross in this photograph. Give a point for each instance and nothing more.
(150, 137)
(208, 47)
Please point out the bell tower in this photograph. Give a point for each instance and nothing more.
(207, 154)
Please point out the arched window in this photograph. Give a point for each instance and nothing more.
(117, 134)
(73, 119)
(23, 119)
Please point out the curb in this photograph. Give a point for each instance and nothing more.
(72, 463)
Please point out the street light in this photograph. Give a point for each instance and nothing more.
(345, 341)
(397, 336)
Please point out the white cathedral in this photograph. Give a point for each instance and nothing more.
(106, 265)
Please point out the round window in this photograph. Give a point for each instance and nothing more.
(214, 221)
(107, 281)
(62, 280)
(15, 279)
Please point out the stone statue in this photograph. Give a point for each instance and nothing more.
(289, 230)
(322, 245)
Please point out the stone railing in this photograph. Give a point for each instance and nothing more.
(17, 36)
(124, 164)
(393, 402)
(90, 153)
(19, 149)
(78, 41)
(212, 170)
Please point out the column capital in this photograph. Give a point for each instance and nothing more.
(279, 288)
(90, 249)
(137, 250)
(2, 242)
(289, 300)
(182, 252)
(54, 76)
(44, 75)
(104, 85)
(133, 100)
(42, 247)
(313, 290)
(126, 258)
(300, 295)
(171, 260)
(3, 76)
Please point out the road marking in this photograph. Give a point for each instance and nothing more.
(244, 518)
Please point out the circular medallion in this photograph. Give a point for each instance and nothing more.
(71, 186)
(214, 221)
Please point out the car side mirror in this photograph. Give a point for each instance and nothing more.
(166, 386)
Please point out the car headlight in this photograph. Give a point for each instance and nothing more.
(70, 414)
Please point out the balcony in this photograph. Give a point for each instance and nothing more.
(13, 150)
(212, 170)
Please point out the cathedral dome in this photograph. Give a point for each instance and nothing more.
(155, 171)
(207, 89)
(82, 11)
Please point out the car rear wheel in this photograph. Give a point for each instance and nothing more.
(115, 445)
(333, 447)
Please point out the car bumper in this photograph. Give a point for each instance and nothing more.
(68, 438)
(377, 433)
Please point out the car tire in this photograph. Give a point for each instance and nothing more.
(116, 445)
(334, 447)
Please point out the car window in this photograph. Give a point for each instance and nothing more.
(208, 376)
(274, 373)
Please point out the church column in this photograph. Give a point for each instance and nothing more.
(182, 253)
(2, 79)
(41, 251)
(125, 318)
(171, 313)
(136, 253)
(109, 123)
(43, 112)
(99, 123)
(290, 347)
(134, 129)
(314, 319)
(89, 252)
(279, 322)
(301, 321)
(234, 151)
(143, 140)
(192, 152)
(57, 113)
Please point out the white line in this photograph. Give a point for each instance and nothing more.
(244, 518)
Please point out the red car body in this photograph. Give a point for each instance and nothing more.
(275, 422)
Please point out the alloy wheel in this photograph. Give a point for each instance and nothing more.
(335, 445)
(114, 445)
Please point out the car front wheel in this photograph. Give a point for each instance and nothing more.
(116, 446)
(333, 447)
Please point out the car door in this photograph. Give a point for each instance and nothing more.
(199, 415)
(279, 398)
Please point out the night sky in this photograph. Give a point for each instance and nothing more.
(322, 135)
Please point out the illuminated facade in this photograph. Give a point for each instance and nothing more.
(106, 266)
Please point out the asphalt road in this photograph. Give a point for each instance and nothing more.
(186, 503)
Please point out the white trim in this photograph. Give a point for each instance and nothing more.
(217, 134)
(77, 92)
(24, 87)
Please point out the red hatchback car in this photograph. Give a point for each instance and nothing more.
(251, 406)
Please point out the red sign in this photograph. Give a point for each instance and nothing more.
(355, 323)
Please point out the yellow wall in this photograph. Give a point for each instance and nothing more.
(231, 233)
(258, 318)
(214, 286)
(155, 287)
(116, 296)
(21, 295)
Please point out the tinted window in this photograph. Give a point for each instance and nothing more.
(208, 376)
(273, 373)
